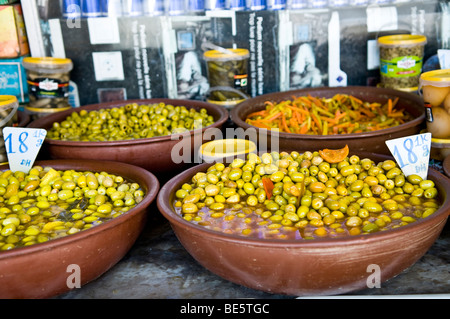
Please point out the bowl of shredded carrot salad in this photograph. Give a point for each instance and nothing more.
(363, 117)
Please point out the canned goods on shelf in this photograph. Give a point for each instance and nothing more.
(215, 4)
(237, 5)
(91, 8)
(71, 9)
(276, 4)
(257, 5)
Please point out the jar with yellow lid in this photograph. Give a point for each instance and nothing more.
(8, 117)
(48, 81)
(227, 75)
(401, 60)
(435, 89)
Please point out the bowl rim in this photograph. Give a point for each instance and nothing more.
(172, 185)
(223, 116)
(234, 113)
(56, 243)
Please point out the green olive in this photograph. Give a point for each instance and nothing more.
(306, 193)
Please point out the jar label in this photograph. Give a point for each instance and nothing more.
(400, 67)
(428, 112)
(240, 81)
(48, 88)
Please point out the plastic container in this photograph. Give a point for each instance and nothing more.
(225, 150)
(227, 71)
(8, 117)
(48, 81)
(440, 148)
(38, 112)
(435, 89)
(401, 59)
(226, 104)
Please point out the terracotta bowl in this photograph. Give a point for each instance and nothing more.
(446, 166)
(23, 119)
(370, 142)
(153, 154)
(317, 267)
(42, 270)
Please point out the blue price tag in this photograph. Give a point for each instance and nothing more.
(22, 146)
(412, 153)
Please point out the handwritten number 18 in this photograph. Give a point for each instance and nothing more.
(408, 146)
(11, 145)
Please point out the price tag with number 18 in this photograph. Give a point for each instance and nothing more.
(22, 146)
(412, 153)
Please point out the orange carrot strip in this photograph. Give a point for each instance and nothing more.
(397, 114)
(355, 99)
(389, 106)
(273, 116)
(304, 129)
(283, 121)
(259, 113)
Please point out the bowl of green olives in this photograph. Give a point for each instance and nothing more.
(148, 133)
(66, 222)
(294, 223)
(362, 117)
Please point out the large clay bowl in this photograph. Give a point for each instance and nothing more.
(153, 154)
(23, 119)
(370, 141)
(42, 270)
(314, 267)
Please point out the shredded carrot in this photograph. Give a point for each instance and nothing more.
(262, 113)
(341, 114)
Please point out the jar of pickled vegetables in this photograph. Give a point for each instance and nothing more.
(401, 59)
(435, 89)
(48, 81)
(227, 71)
(38, 112)
(8, 116)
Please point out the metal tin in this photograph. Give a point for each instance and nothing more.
(71, 9)
(91, 8)
(338, 3)
(153, 7)
(359, 2)
(215, 5)
(196, 6)
(176, 7)
(257, 5)
(237, 5)
(133, 8)
(318, 3)
(111, 8)
(276, 4)
(298, 4)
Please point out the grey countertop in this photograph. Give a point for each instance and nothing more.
(158, 267)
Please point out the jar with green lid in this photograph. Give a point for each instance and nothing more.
(435, 89)
(227, 75)
(401, 59)
(8, 117)
(48, 81)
